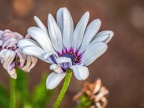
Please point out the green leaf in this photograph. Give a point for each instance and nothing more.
(4, 97)
(41, 95)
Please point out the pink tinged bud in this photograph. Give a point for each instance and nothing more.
(11, 55)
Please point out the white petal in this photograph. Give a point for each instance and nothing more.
(104, 36)
(64, 62)
(22, 58)
(7, 34)
(2, 54)
(8, 60)
(33, 62)
(59, 18)
(98, 105)
(8, 63)
(56, 68)
(33, 51)
(11, 42)
(79, 31)
(49, 57)
(1, 42)
(54, 79)
(80, 72)
(92, 52)
(26, 42)
(102, 92)
(18, 36)
(40, 24)
(91, 31)
(98, 86)
(66, 25)
(55, 34)
(7, 31)
(12, 73)
(41, 37)
(26, 67)
(1, 32)
(29, 63)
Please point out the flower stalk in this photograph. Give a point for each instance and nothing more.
(12, 93)
(64, 88)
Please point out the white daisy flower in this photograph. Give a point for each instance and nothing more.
(10, 54)
(65, 47)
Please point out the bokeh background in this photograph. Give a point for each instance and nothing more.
(121, 68)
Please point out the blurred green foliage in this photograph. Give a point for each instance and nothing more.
(4, 97)
(39, 97)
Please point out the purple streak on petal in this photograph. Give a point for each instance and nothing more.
(11, 48)
(76, 52)
(59, 53)
(78, 62)
(68, 49)
(53, 58)
(71, 50)
(16, 55)
(63, 51)
(79, 54)
(12, 65)
(19, 64)
(0, 48)
(65, 65)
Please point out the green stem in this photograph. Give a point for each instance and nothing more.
(64, 88)
(12, 93)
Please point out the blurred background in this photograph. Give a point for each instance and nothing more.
(121, 68)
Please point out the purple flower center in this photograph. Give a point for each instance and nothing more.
(73, 57)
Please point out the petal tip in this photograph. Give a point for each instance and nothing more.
(49, 15)
(14, 76)
(111, 33)
(98, 21)
(35, 17)
(87, 14)
(49, 87)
